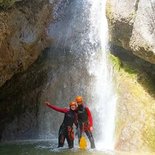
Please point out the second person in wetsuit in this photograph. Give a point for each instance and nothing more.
(85, 121)
(66, 128)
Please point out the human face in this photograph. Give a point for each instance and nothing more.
(73, 107)
(79, 103)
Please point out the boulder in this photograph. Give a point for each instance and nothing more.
(131, 26)
(22, 36)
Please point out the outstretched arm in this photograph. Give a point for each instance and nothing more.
(62, 110)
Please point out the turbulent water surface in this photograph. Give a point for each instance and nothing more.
(50, 148)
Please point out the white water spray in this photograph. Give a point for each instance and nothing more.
(82, 28)
(102, 96)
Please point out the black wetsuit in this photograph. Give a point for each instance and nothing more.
(66, 129)
(84, 123)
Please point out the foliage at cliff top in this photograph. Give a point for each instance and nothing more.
(7, 3)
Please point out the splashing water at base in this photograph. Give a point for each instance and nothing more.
(49, 148)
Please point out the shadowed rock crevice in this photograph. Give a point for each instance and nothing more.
(144, 69)
(19, 99)
(136, 4)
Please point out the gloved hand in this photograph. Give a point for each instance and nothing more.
(91, 128)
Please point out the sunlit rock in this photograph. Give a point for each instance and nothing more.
(131, 26)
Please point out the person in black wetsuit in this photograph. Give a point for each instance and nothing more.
(66, 129)
(85, 120)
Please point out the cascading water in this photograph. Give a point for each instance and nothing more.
(79, 52)
(103, 94)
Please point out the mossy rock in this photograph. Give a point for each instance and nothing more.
(7, 3)
(149, 134)
(115, 61)
(135, 118)
(109, 11)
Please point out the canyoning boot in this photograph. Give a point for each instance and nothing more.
(71, 145)
(92, 143)
(61, 136)
(91, 139)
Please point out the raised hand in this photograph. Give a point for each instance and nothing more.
(46, 103)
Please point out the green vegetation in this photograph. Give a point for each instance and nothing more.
(129, 69)
(109, 12)
(7, 3)
(115, 61)
(136, 101)
(118, 65)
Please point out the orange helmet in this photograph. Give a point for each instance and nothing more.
(72, 103)
(79, 99)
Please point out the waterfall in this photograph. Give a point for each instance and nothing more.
(103, 96)
(80, 48)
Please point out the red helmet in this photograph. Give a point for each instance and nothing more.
(72, 103)
(79, 99)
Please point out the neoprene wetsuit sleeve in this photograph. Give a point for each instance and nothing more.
(89, 116)
(62, 110)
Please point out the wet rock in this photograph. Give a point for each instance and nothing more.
(22, 36)
(19, 100)
(131, 26)
(135, 85)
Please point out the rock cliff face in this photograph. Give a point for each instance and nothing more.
(131, 26)
(135, 85)
(131, 31)
(23, 38)
(20, 101)
(22, 35)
